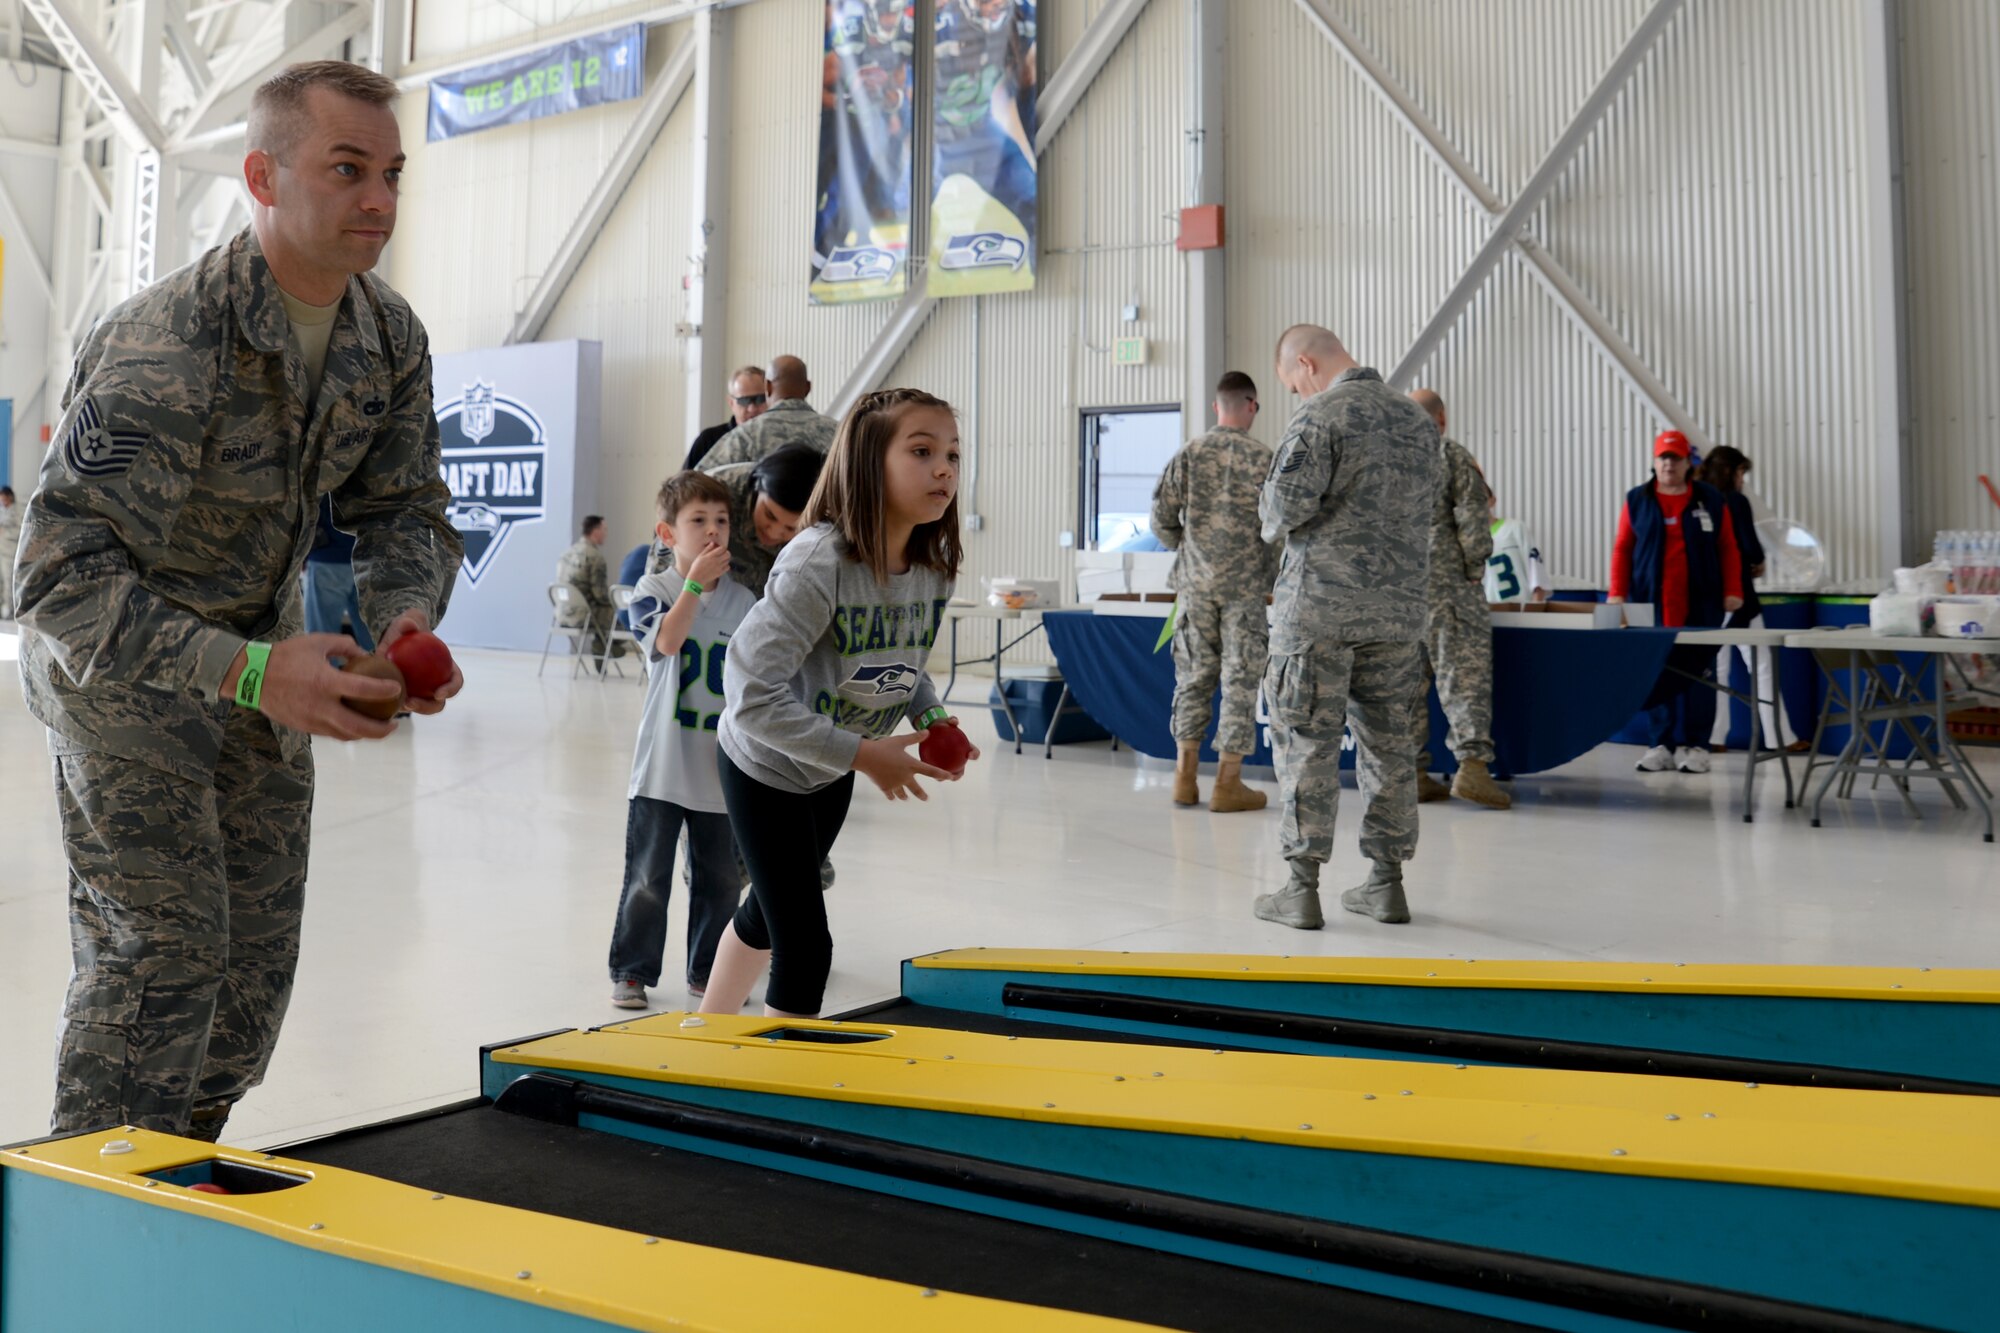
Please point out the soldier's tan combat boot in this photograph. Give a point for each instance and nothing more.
(1381, 896)
(1187, 764)
(1297, 904)
(1230, 794)
(1475, 784)
(1430, 789)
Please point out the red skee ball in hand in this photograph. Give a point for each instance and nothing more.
(424, 661)
(945, 746)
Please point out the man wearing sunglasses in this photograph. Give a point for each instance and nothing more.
(791, 420)
(749, 397)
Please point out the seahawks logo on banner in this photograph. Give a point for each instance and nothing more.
(495, 465)
(92, 451)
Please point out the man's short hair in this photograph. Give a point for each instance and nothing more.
(1236, 389)
(278, 107)
(7, 491)
(591, 523)
(686, 488)
(741, 371)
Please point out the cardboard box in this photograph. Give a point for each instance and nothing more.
(1150, 570)
(1102, 572)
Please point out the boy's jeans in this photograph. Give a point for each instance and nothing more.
(639, 939)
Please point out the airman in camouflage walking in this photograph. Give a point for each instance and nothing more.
(159, 594)
(788, 420)
(1205, 507)
(1350, 492)
(1458, 639)
(583, 570)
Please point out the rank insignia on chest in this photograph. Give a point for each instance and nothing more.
(92, 449)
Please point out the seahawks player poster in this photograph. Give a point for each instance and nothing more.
(861, 228)
(983, 164)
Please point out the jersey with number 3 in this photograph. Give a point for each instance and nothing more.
(1515, 568)
(674, 759)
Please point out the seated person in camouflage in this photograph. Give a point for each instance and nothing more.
(582, 567)
(159, 597)
(787, 419)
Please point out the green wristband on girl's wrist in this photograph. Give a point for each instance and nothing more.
(931, 718)
(250, 684)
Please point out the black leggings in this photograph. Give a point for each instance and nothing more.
(783, 837)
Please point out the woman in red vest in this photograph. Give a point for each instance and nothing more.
(1677, 549)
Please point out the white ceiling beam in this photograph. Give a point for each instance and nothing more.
(1053, 104)
(28, 148)
(1509, 224)
(618, 172)
(25, 244)
(187, 49)
(84, 54)
(648, 13)
(219, 105)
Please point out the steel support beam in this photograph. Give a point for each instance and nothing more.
(705, 338)
(187, 49)
(226, 99)
(24, 244)
(1589, 321)
(648, 13)
(1551, 167)
(103, 82)
(1888, 283)
(1206, 269)
(646, 125)
(1058, 98)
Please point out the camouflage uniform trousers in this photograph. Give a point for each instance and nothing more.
(1458, 650)
(1225, 640)
(1313, 696)
(185, 904)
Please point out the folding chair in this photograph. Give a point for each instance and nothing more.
(562, 597)
(621, 598)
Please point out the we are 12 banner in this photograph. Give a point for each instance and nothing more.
(590, 71)
(861, 225)
(983, 179)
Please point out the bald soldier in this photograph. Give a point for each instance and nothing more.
(787, 420)
(1205, 508)
(160, 597)
(1350, 494)
(1458, 637)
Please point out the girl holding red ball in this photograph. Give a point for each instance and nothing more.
(820, 675)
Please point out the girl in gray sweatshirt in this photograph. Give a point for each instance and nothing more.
(821, 673)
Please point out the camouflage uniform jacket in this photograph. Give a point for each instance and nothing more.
(1205, 507)
(790, 421)
(582, 567)
(182, 494)
(1351, 492)
(1461, 528)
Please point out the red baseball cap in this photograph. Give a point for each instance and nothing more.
(1670, 442)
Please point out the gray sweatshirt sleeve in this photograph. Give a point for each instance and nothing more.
(923, 699)
(767, 652)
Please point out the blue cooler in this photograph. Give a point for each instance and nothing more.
(1034, 703)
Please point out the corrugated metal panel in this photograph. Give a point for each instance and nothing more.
(1714, 217)
(448, 28)
(1951, 144)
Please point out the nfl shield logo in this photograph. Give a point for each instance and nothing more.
(476, 411)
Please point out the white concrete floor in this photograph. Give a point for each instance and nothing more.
(464, 874)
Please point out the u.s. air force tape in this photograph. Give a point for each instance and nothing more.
(92, 450)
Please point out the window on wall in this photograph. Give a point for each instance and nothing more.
(1124, 451)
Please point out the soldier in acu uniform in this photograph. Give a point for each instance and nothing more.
(789, 420)
(159, 591)
(582, 567)
(1205, 507)
(1458, 640)
(1350, 492)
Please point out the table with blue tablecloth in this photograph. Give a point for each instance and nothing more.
(1557, 693)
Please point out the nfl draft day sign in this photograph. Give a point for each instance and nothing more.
(518, 428)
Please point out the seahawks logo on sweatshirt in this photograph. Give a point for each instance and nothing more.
(880, 681)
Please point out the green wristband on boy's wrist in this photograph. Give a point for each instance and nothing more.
(693, 587)
(931, 718)
(250, 684)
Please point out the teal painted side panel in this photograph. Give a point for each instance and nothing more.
(79, 1258)
(1960, 1041)
(1893, 1258)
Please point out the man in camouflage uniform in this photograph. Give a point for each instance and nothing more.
(159, 593)
(582, 567)
(1350, 491)
(1205, 507)
(1458, 638)
(788, 421)
(10, 545)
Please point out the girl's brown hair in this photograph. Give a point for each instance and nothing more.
(1723, 467)
(853, 496)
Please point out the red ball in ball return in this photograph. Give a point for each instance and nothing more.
(208, 1187)
(424, 661)
(945, 747)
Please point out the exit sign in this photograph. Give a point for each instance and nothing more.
(1128, 352)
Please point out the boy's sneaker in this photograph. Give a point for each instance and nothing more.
(697, 989)
(1656, 760)
(628, 995)
(1691, 759)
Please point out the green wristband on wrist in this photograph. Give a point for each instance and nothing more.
(932, 718)
(694, 587)
(250, 685)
